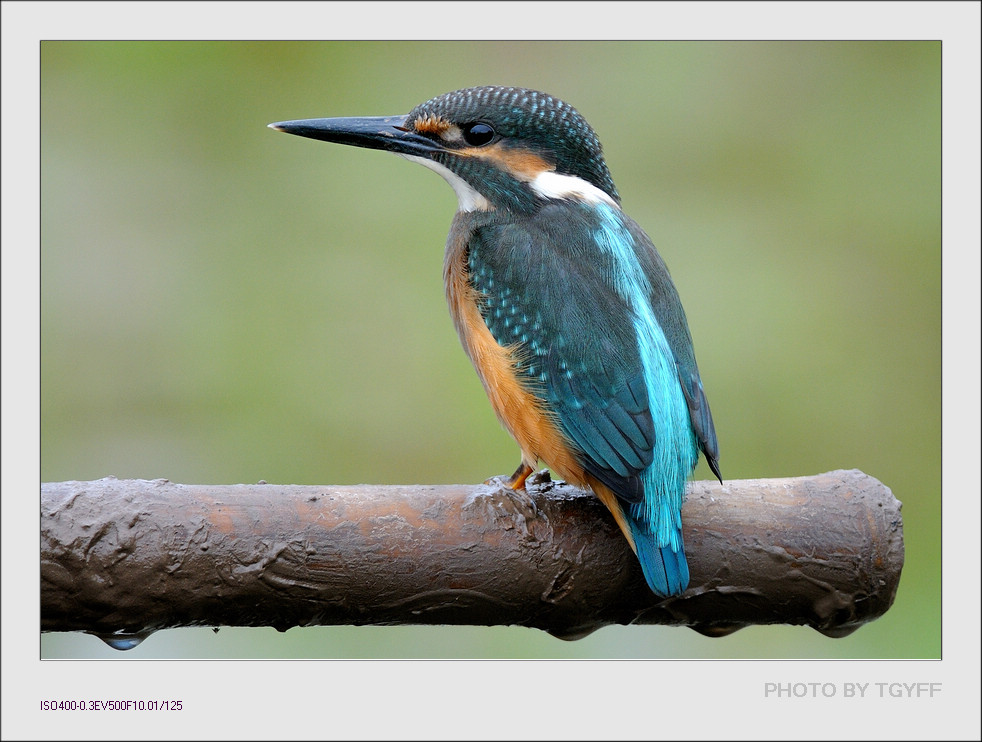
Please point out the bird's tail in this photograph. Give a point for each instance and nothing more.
(665, 568)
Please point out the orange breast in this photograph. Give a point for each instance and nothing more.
(523, 414)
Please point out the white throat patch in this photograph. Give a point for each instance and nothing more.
(548, 184)
(551, 184)
(468, 199)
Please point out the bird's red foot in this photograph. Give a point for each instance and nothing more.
(517, 480)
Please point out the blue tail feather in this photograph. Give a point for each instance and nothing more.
(665, 568)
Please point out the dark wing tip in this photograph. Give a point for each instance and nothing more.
(701, 419)
(713, 462)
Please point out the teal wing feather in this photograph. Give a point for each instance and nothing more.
(601, 338)
(668, 310)
(552, 298)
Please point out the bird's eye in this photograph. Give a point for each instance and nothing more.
(477, 135)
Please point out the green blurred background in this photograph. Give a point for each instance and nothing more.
(221, 303)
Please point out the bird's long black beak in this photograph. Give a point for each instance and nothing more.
(374, 132)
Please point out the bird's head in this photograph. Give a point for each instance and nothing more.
(499, 147)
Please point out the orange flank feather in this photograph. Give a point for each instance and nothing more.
(608, 498)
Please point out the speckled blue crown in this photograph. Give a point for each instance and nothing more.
(544, 122)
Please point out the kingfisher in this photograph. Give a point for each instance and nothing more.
(563, 304)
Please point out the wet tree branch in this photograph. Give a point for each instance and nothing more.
(127, 557)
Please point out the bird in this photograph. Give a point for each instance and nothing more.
(564, 306)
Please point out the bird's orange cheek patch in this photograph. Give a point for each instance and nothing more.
(524, 164)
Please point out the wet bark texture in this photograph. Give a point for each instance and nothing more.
(123, 558)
